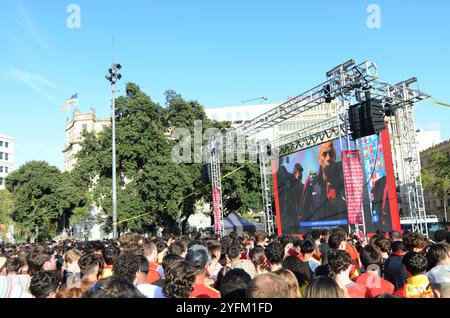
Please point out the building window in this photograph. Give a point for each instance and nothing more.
(6, 156)
(6, 169)
(238, 116)
(84, 127)
(1, 181)
(1, 143)
(434, 204)
(1, 169)
(6, 144)
(1, 155)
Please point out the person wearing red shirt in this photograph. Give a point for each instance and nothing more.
(338, 239)
(340, 262)
(371, 259)
(151, 253)
(199, 257)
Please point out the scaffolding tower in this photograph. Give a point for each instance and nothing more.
(348, 83)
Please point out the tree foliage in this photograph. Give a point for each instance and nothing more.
(42, 194)
(152, 189)
(437, 179)
(6, 206)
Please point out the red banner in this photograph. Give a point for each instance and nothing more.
(216, 209)
(353, 179)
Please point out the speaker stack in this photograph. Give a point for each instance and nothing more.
(366, 118)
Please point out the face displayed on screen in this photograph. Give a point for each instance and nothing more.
(327, 155)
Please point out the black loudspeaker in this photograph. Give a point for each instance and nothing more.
(206, 173)
(366, 118)
(327, 93)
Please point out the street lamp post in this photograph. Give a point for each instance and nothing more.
(113, 77)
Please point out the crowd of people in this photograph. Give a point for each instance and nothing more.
(320, 264)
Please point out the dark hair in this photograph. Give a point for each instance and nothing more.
(308, 246)
(415, 240)
(144, 264)
(44, 283)
(307, 236)
(322, 270)
(37, 258)
(97, 246)
(160, 246)
(222, 272)
(13, 264)
(435, 254)
(233, 251)
(339, 260)
(260, 236)
(198, 256)
(323, 287)
(178, 247)
(316, 234)
(110, 253)
(88, 262)
(386, 295)
(274, 253)
(335, 240)
(114, 287)
(286, 239)
(234, 283)
(398, 246)
(440, 235)
(415, 263)
(267, 285)
(383, 244)
(213, 246)
(179, 281)
(301, 270)
(257, 256)
(169, 260)
(126, 266)
(369, 255)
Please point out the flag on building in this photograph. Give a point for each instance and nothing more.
(73, 99)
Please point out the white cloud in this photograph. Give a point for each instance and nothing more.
(29, 26)
(36, 82)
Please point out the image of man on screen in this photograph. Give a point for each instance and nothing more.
(324, 194)
(294, 193)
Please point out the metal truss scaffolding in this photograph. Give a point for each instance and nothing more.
(412, 189)
(265, 170)
(214, 149)
(347, 83)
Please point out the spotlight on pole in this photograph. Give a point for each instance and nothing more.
(113, 77)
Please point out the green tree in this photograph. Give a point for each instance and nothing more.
(42, 195)
(6, 206)
(437, 179)
(152, 189)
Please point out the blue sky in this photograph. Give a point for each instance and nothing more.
(217, 52)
